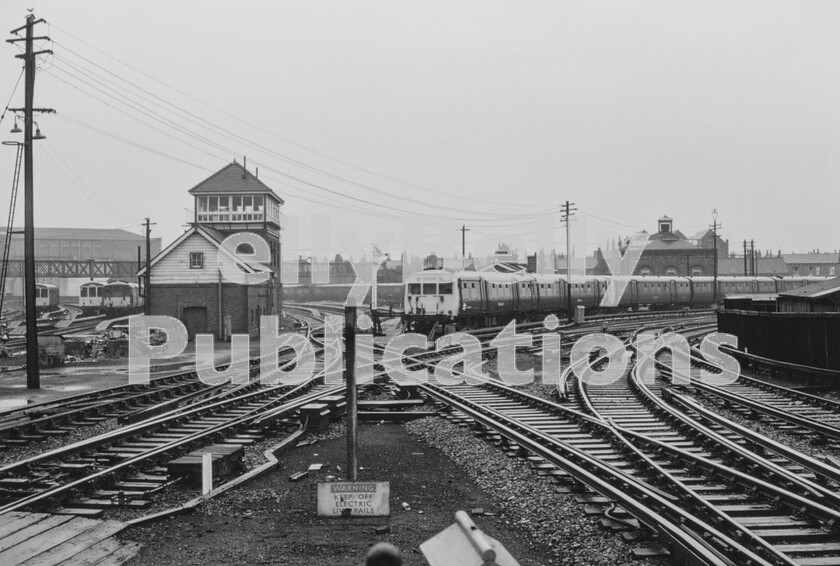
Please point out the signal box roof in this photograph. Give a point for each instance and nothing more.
(232, 179)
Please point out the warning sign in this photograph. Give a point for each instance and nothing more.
(361, 499)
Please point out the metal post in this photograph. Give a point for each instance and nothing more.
(350, 371)
(148, 308)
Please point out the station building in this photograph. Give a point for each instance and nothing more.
(186, 279)
(670, 252)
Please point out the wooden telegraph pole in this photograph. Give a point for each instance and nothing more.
(33, 373)
(567, 214)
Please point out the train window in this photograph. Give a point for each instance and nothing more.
(83, 292)
(430, 288)
(414, 288)
(445, 289)
(473, 285)
(196, 260)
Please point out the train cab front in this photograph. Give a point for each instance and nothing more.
(431, 298)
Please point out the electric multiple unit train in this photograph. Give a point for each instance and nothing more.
(475, 299)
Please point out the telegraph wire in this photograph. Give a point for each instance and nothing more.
(260, 129)
(164, 120)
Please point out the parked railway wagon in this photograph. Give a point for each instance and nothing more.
(470, 299)
(90, 294)
(46, 295)
(121, 295)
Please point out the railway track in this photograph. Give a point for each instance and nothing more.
(99, 466)
(748, 507)
(34, 422)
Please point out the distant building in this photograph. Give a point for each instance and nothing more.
(764, 266)
(820, 264)
(669, 252)
(186, 280)
(706, 240)
(76, 245)
(82, 244)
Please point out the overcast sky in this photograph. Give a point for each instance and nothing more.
(398, 122)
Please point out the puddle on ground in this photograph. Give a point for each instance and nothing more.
(12, 403)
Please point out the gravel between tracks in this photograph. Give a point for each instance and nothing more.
(437, 470)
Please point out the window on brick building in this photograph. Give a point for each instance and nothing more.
(196, 260)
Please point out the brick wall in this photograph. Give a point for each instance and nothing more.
(244, 304)
(658, 261)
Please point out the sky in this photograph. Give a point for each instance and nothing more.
(397, 123)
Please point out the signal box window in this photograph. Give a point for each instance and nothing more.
(196, 260)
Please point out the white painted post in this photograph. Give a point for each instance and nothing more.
(206, 473)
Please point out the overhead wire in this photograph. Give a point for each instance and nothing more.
(273, 134)
(14, 89)
(76, 181)
(163, 120)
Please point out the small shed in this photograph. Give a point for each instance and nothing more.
(818, 297)
(751, 302)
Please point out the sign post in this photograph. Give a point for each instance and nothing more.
(354, 499)
(350, 371)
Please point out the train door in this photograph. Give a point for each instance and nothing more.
(633, 294)
(672, 289)
(532, 290)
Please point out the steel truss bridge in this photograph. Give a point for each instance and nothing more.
(76, 268)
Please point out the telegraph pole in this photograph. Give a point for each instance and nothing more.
(715, 227)
(745, 258)
(752, 257)
(148, 308)
(567, 214)
(33, 371)
(463, 229)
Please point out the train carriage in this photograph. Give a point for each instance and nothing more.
(472, 299)
(551, 292)
(90, 294)
(121, 295)
(46, 295)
